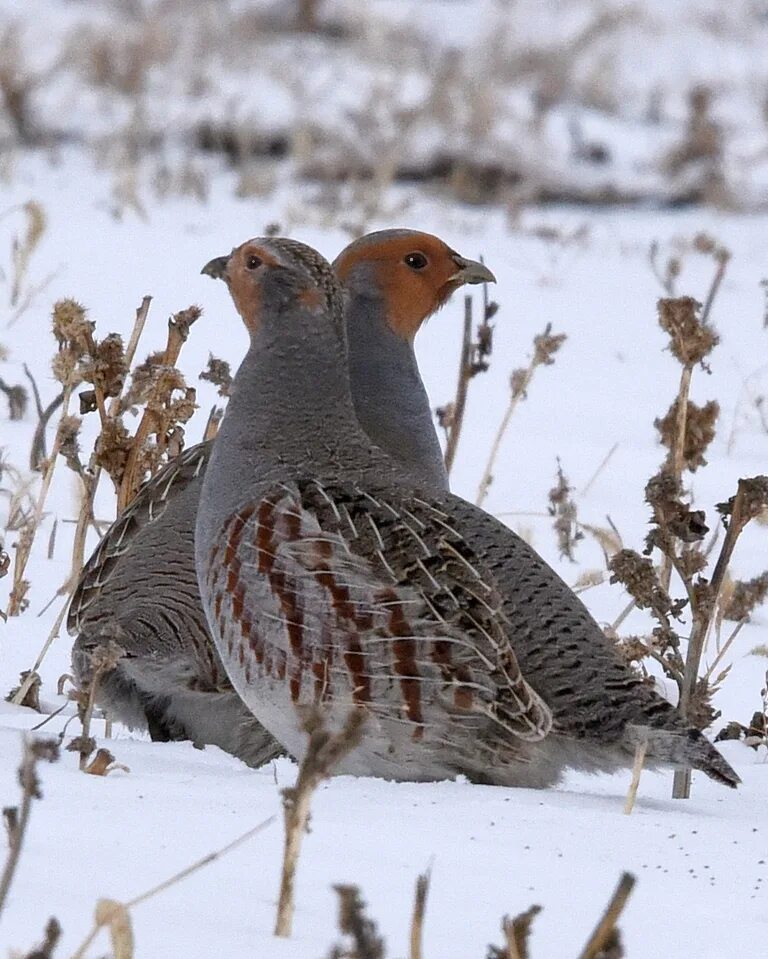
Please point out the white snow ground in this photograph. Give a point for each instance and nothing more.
(701, 864)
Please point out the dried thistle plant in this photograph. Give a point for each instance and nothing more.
(562, 507)
(677, 530)
(545, 347)
(104, 364)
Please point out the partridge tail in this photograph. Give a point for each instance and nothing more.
(687, 748)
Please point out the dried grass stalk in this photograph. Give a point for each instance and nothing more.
(324, 751)
(545, 346)
(17, 817)
(417, 919)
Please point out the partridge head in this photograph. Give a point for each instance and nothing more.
(394, 281)
(409, 273)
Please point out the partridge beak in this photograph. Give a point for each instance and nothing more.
(471, 271)
(216, 268)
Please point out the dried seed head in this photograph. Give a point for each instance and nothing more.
(446, 415)
(690, 340)
(704, 243)
(143, 380)
(112, 448)
(107, 368)
(65, 366)
(745, 596)
(546, 345)
(219, 373)
(632, 649)
(752, 497)
(69, 447)
(70, 326)
(518, 383)
(700, 711)
(638, 577)
(700, 425)
(183, 320)
(563, 508)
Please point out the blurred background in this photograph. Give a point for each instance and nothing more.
(490, 102)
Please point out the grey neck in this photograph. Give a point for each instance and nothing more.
(389, 396)
(290, 414)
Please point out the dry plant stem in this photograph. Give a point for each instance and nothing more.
(417, 920)
(681, 788)
(724, 649)
(610, 917)
(487, 478)
(33, 672)
(623, 615)
(17, 823)
(683, 393)
(130, 351)
(511, 941)
(87, 716)
(462, 387)
(324, 752)
(22, 556)
(85, 517)
(717, 279)
(37, 451)
(603, 463)
(637, 769)
(131, 481)
(177, 877)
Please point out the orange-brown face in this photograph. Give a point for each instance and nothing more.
(414, 273)
(244, 271)
(239, 272)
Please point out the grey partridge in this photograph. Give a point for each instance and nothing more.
(330, 578)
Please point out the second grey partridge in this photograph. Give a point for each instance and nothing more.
(330, 578)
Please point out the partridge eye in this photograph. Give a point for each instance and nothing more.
(252, 262)
(416, 261)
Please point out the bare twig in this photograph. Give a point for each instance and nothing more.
(46, 948)
(37, 451)
(462, 385)
(33, 673)
(353, 922)
(17, 818)
(750, 499)
(603, 463)
(17, 400)
(640, 750)
(606, 931)
(178, 331)
(324, 751)
(20, 585)
(417, 920)
(545, 346)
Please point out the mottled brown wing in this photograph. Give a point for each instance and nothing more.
(148, 506)
(327, 593)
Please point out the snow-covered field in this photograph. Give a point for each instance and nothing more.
(701, 864)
